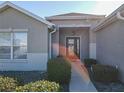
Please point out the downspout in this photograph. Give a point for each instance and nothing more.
(50, 43)
(119, 16)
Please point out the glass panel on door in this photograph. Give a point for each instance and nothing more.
(73, 47)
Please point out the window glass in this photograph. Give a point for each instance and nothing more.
(5, 39)
(20, 52)
(13, 43)
(5, 52)
(20, 45)
(20, 39)
(4, 49)
(5, 45)
(71, 41)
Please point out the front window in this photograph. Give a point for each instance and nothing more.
(13, 45)
(20, 45)
(5, 45)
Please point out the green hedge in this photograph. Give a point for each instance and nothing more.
(88, 62)
(104, 73)
(39, 86)
(59, 70)
(7, 84)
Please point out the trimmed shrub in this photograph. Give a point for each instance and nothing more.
(88, 62)
(105, 73)
(7, 84)
(39, 86)
(23, 77)
(59, 70)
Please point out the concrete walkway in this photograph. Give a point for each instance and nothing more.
(80, 81)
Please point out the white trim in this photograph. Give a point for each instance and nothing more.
(104, 23)
(5, 4)
(119, 16)
(50, 43)
(20, 30)
(84, 17)
(12, 42)
(109, 19)
(13, 60)
(74, 25)
(13, 30)
(6, 30)
(80, 43)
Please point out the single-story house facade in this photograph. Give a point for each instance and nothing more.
(73, 33)
(110, 40)
(27, 41)
(23, 39)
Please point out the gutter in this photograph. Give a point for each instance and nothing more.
(50, 44)
(104, 23)
(119, 16)
(114, 17)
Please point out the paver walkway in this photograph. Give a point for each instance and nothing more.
(80, 81)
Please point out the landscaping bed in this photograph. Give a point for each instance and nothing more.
(9, 84)
(56, 79)
(25, 77)
(104, 77)
(115, 86)
(109, 87)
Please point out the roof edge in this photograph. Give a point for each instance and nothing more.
(83, 16)
(72, 17)
(7, 3)
(108, 20)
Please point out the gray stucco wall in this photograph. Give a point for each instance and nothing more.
(83, 33)
(110, 46)
(37, 55)
(37, 34)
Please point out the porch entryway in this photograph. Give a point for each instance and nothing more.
(74, 42)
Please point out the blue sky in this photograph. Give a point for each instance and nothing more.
(49, 8)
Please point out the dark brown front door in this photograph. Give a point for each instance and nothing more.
(73, 47)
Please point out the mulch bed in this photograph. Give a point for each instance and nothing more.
(117, 86)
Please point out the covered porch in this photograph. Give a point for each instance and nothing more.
(71, 41)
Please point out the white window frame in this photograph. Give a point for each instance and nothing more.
(12, 31)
